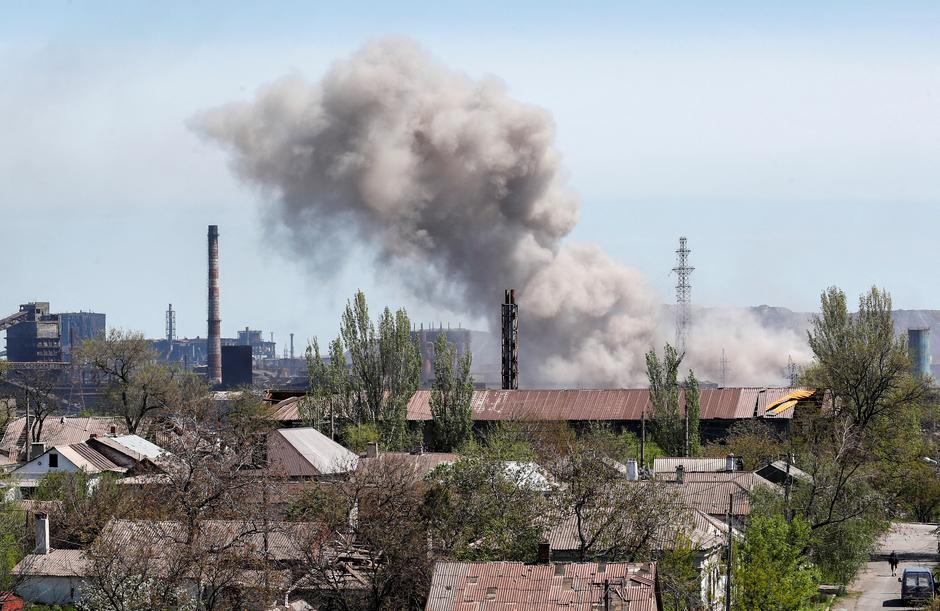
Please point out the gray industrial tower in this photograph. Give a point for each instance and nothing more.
(683, 295)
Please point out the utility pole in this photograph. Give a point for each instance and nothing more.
(643, 440)
(729, 557)
(606, 595)
(687, 431)
(786, 490)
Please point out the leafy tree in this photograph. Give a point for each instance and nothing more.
(614, 518)
(668, 429)
(480, 508)
(135, 386)
(680, 581)
(384, 372)
(677, 433)
(753, 441)
(770, 570)
(920, 492)
(451, 394)
(506, 440)
(357, 436)
(858, 358)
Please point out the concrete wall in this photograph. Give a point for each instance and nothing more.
(51, 590)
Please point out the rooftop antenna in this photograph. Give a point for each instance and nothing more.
(683, 295)
(793, 372)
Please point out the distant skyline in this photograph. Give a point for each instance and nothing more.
(795, 146)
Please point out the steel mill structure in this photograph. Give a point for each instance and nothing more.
(214, 350)
(510, 337)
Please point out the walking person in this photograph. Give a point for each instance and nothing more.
(893, 563)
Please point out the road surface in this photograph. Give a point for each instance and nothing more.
(874, 587)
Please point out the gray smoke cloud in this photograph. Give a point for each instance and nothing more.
(457, 184)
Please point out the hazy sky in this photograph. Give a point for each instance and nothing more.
(795, 146)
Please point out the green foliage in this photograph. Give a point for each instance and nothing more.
(841, 549)
(668, 428)
(753, 441)
(383, 374)
(919, 492)
(858, 357)
(478, 509)
(451, 394)
(357, 436)
(770, 570)
(12, 525)
(669, 422)
(680, 580)
(505, 440)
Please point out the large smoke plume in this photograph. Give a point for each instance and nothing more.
(448, 176)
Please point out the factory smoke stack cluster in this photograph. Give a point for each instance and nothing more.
(459, 190)
(214, 349)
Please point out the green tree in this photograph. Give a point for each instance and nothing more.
(385, 367)
(481, 508)
(668, 428)
(451, 394)
(770, 570)
(858, 358)
(753, 441)
(134, 385)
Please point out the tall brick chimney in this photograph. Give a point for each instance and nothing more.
(214, 349)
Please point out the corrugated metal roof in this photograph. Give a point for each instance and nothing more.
(419, 464)
(61, 431)
(318, 451)
(87, 459)
(611, 404)
(57, 563)
(712, 497)
(285, 540)
(691, 465)
(459, 586)
(694, 526)
(139, 445)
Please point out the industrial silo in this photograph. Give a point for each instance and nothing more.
(918, 347)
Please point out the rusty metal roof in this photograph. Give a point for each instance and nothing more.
(712, 497)
(87, 458)
(473, 586)
(419, 464)
(306, 452)
(611, 404)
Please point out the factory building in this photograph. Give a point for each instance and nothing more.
(427, 338)
(76, 327)
(33, 334)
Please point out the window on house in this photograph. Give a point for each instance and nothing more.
(53, 461)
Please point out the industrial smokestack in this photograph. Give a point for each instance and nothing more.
(510, 341)
(215, 316)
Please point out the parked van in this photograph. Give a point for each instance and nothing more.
(916, 584)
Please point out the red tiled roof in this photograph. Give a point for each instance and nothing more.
(611, 404)
(466, 586)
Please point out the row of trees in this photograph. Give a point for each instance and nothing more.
(366, 397)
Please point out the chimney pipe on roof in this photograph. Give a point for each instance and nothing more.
(730, 463)
(372, 449)
(510, 341)
(42, 534)
(214, 349)
(544, 553)
(680, 474)
(36, 448)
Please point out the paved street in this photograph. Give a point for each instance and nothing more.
(915, 544)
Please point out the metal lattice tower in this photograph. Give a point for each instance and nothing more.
(170, 324)
(683, 294)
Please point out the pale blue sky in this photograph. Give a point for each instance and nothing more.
(796, 145)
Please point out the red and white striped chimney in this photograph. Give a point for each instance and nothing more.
(215, 316)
